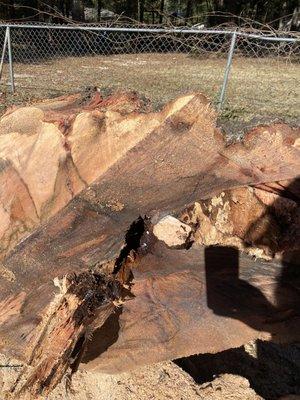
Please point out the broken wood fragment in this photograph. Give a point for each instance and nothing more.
(83, 299)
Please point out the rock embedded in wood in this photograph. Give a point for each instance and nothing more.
(172, 232)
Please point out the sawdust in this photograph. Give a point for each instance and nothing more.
(160, 381)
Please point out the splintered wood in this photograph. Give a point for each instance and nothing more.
(95, 272)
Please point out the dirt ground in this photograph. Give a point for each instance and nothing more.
(257, 87)
(158, 382)
(257, 371)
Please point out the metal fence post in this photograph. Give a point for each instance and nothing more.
(227, 71)
(10, 58)
(3, 51)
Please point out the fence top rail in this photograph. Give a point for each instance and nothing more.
(153, 30)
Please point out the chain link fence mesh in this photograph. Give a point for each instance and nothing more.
(160, 64)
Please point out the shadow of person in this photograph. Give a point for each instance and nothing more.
(272, 370)
(230, 296)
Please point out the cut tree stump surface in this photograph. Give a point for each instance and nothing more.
(75, 177)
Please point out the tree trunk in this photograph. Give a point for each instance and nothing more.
(189, 9)
(161, 11)
(68, 8)
(78, 10)
(141, 10)
(131, 9)
(83, 184)
(99, 8)
(62, 7)
(6, 10)
(153, 17)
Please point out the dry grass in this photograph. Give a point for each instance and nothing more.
(257, 87)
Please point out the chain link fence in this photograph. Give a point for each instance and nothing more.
(244, 74)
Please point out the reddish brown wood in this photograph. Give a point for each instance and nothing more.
(201, 300)
(101, 184)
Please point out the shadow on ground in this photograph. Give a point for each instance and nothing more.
(272, 374)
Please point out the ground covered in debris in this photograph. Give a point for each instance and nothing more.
(159, 382)
(257, 371)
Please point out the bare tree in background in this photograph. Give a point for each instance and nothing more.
(277, 13)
